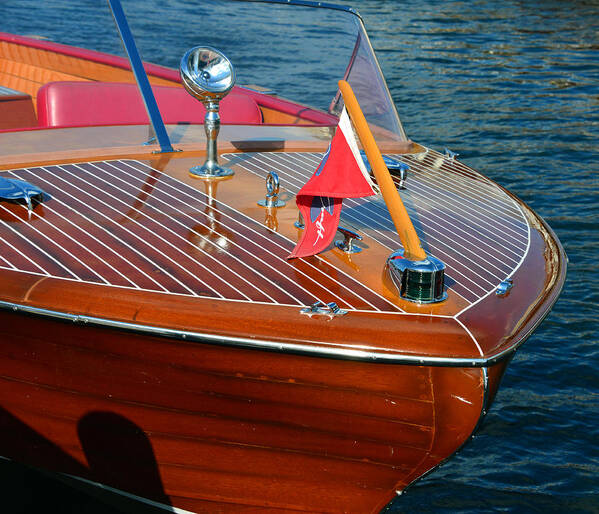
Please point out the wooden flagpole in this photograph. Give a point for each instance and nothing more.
(403, 224)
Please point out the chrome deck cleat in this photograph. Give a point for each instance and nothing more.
(449, 155)
(347, 244)
(330, 310)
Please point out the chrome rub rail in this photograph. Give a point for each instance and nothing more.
(276, 346)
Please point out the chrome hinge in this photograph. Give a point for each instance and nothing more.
(504, 288)
(330, 309)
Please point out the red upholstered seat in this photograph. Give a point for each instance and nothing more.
(68, 104)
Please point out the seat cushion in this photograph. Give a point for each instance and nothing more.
(68, 104)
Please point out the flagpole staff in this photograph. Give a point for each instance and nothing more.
(403, 224)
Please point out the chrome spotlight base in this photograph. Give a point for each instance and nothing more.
(209, 171)
(417, 281)
(208, 76)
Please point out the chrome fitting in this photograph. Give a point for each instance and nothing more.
(208, 76)
(300, 221)
(330, 309)
(417, 281)
(272, 192)
(449, 155)
(347, 244)
(504, 288)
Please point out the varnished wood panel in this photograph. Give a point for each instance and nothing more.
(79, 67)
(453, 222)
(16, 111)
(27, 69)
(331, 435)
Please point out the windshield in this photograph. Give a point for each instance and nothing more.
(295, 52)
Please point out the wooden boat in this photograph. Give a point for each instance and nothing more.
(156, 340)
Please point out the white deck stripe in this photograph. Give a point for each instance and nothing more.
(480, 350)
(422, 214)
(276, 243)
(198, 199)
(8, 262)
(187, 242)
(37, 247)
(355, 202)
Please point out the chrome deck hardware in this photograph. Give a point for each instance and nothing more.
(504, 288)
(272, 192)
(330, 309)
(403, 174)
(347, 245)
(449, 155)
(417, 281)
(13, 189)
(300, 221)
(392, 164)
(208, 76)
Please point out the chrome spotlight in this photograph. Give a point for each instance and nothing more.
(208, 76)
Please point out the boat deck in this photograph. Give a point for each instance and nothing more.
(161, 245)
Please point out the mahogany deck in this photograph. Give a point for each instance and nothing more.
(147, 220)
(126, 230)
(124, 224)
(152, 338)
(235, 406)
(465, 220)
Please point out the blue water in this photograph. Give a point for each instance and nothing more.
(513, 87)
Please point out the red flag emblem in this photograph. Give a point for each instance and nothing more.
(340, 174)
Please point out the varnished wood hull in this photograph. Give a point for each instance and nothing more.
(207, 429)
(153, 336)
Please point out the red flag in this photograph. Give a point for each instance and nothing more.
(340, 174)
